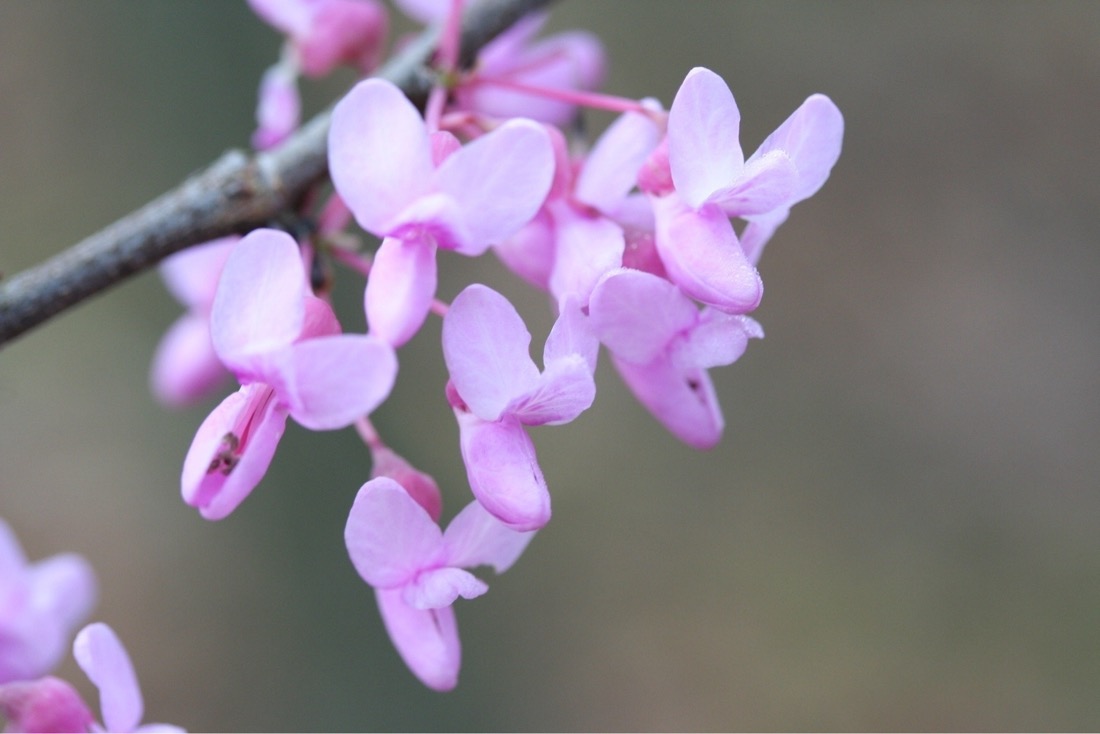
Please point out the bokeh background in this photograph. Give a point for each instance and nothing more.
(900, 530)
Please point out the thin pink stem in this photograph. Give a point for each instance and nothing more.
(594, 100)
(354, 260)
(367, 432)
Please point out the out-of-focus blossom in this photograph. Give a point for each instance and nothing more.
(327, 33)
(41, 604)
(185, 368)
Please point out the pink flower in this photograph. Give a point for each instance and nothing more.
(496, 389)
(44, 705)
(327, 33)
(185, 368)
(417, 571)
(279, 109)
(711, 182)
(422, 192)
(40, 605)
(285, 347)
(662, 345)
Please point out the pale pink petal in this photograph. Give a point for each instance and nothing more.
(191, 275)
(385, 462)
(485, 347)
(636, 314)
(185, 367)
(232, 450)
(426, 639)
(703, 126)
(344, 32)
(62, 591)
(812, 137)
(476, 538)
(758, 231)
(319, 320)
(565, 390)
(765, 184)
(587, 247)
(400, 289)
(500, 181)
(379, 155)
(101, 656)
(389, 537)
(259, 304)
(440, 587)
(529, 253)
(279, 108)
(12, 559)
(331, 381)
(43, 705)
(571, 335)
(718, 339)
(701, 253)
(611, 169)
(503, 471)
(684, 402)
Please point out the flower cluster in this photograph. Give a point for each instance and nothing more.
(646, 241)
(40, 606)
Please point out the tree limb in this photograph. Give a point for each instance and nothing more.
(235, 194)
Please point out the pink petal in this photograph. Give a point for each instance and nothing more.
(571, 335)
(379, 154)
(332, 381)
(718, 339)
(103, 659)
(703, 125)
(427, 639)
(529, 253)
(611, 169)
(343, 31)
(476, 538)
(683, 401)
(259, 304)
(500, 181)
(637, 314)
(440, 587)
(565, 390)
(485, 347)
(812, 137)
(758, 231)
(12, 559)
(385, 462)
(701, 254)
(232, 450)
(43, 705)
(587, 247)
(503, 471)
(389, 537)
(400, 289)
(279, 108)
(62, 591)
(765, 184)
(191, 275)
(185, 367)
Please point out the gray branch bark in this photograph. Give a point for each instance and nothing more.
(235, 194)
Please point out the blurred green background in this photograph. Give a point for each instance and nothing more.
(899, 530)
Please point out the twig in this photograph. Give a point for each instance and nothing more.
(235, 194)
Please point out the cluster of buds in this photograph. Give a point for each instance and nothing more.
(646, 241)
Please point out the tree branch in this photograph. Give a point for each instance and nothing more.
(235, 194)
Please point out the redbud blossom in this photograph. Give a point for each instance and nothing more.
(41, 604)
(417, 571)
(496, 389)
(285, 347)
